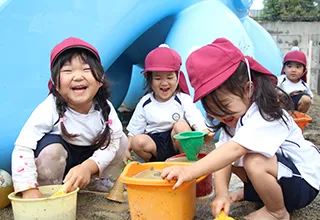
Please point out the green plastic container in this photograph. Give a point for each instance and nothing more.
(191, 143)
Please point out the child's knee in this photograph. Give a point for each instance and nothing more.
(53, 152)
(305, 100)
(180, 126)
(141, 142)
(252, 162)
(51, 164)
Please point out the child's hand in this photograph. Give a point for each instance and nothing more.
(209, 136)
(32, 194)
(221, 202)
(127, 157)
(78, 176)
(179, 173)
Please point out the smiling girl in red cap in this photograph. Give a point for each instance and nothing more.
(165, 111)
(75, 132)
(259, 141)
(293, 80)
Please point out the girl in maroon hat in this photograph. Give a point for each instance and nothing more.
(75, 132)
(293, 80)
(166, 110)
(259, 141)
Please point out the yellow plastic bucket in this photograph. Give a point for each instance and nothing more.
(155, 198)
(58, 208)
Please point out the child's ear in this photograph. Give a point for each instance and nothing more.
(249, 89)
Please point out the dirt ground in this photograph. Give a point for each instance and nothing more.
(95, 206)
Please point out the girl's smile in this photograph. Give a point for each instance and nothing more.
(164, 85)
(78, 85)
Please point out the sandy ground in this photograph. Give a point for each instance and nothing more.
(96, 206)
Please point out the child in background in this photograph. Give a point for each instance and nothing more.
(165, 111)
(293, 80)
(259, 141)
(75, 132)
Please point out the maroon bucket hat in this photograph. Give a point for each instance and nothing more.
(71, 42)
(299, 57)
(211, 65)
(165, 59)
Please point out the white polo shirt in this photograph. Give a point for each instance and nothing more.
(289, 87)
(45, 120)
(151, 116)
(270, 137)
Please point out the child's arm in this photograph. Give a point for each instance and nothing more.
(192, 113)
(309, 92)
(24, 172)
(128, 155)
(214, 161)
(138, 122)
(79, 176)
(221, 183)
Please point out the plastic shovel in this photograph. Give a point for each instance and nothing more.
(60, 192)
(222, 216)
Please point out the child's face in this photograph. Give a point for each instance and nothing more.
(233, 103)
(164, 85)
(293, 71)
(77, 85)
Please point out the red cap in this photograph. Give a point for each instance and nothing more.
(69, 43)
(296, 56)
(165, 59)
(210, 66)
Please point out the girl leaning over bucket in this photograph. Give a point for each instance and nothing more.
(165, 111)
(259, 141)
(75, 132)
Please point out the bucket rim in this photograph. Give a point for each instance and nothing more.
(124, 178)
(300, 117)
(15, 199)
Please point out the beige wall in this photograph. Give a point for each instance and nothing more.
(289, 34)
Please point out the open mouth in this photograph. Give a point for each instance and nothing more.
(79, 89)
(228, 120)
(164, 89)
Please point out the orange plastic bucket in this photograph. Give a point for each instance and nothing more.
(155, 198)
(301, 119)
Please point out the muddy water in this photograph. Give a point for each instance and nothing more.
(149, 174)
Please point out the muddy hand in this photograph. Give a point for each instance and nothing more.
(209, 136)
(221, 205)
(179, 173)
(127, 157)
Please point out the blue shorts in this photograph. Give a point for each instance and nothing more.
(296, 191)
(164, 145)
(296, 99)
(76, 154)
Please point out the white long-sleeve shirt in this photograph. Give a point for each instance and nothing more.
(151, 116)
(45, 120)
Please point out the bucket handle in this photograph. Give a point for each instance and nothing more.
(199, 179)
